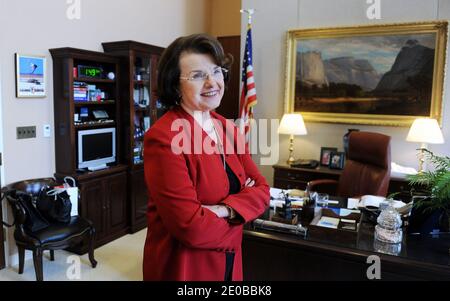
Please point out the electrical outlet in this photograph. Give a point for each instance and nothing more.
(24, 132)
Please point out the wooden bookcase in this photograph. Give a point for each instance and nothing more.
(103, 198)
(140, 109)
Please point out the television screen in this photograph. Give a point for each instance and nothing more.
(96, 148)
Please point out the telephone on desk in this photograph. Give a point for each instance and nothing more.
(305, 163)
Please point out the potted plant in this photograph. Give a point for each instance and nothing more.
(436, 185)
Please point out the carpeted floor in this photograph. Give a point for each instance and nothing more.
(120, 260)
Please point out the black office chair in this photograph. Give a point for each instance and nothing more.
(55, 236)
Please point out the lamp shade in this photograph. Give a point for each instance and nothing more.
(292, 124)
(425, 130)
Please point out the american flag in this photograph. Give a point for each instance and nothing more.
(248, 94)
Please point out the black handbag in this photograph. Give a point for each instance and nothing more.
(34, 221)
(54, 204)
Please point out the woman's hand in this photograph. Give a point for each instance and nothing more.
(249, 183)
(219, 210)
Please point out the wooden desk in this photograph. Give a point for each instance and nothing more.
(287, 177)
(269, 255)
(275, 256)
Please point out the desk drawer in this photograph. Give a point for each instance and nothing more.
(303, 176)
(286, 184)
(403, 188)
(399, 186)
(291, 175)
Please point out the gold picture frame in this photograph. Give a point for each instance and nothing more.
(342, 75)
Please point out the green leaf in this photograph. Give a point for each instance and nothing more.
(436, 181)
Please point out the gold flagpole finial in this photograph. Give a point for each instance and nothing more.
(250, 12)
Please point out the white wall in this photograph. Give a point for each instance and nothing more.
(270, 24)
(32, 27)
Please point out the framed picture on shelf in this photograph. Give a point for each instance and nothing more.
(30, 76)
(325, 153)
(337, 160)
(382, 74)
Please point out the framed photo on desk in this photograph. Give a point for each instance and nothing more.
(325, 153)
(337, 160)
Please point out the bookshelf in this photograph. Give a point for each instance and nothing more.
(140, 109)
(82, 102)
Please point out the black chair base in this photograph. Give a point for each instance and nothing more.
(39, 250)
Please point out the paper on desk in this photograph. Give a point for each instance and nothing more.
(371, 200)
(352, 203)
(328, 222)
(343, 212)
(347, 212)
(277, 201)
(400, 171)
(295, 202)
(275, 193)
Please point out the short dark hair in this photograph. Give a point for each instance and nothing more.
(169, 67)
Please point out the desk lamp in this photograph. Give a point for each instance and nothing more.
(425, 130)
(292, 124)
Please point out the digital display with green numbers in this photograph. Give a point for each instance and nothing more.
(89, 71)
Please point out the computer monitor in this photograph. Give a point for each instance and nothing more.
(96, 148)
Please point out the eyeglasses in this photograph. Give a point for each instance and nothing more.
(199, 76)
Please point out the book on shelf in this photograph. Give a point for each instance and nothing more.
(141, 96)
(80, 91)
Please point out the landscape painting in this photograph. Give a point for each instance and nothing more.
(371, 74)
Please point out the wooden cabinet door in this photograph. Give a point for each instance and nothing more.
(139, 200)
(2, 251)
(93, 205)
(116, 202)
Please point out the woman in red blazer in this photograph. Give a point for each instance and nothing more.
(202, 182)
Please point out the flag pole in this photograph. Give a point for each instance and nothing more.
(246, 109)
(250, 12)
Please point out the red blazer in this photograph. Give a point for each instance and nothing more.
(185, 241)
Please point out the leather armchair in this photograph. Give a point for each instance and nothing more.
(367, 170)
(55, 236)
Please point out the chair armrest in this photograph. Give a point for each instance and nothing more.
(314, 184)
